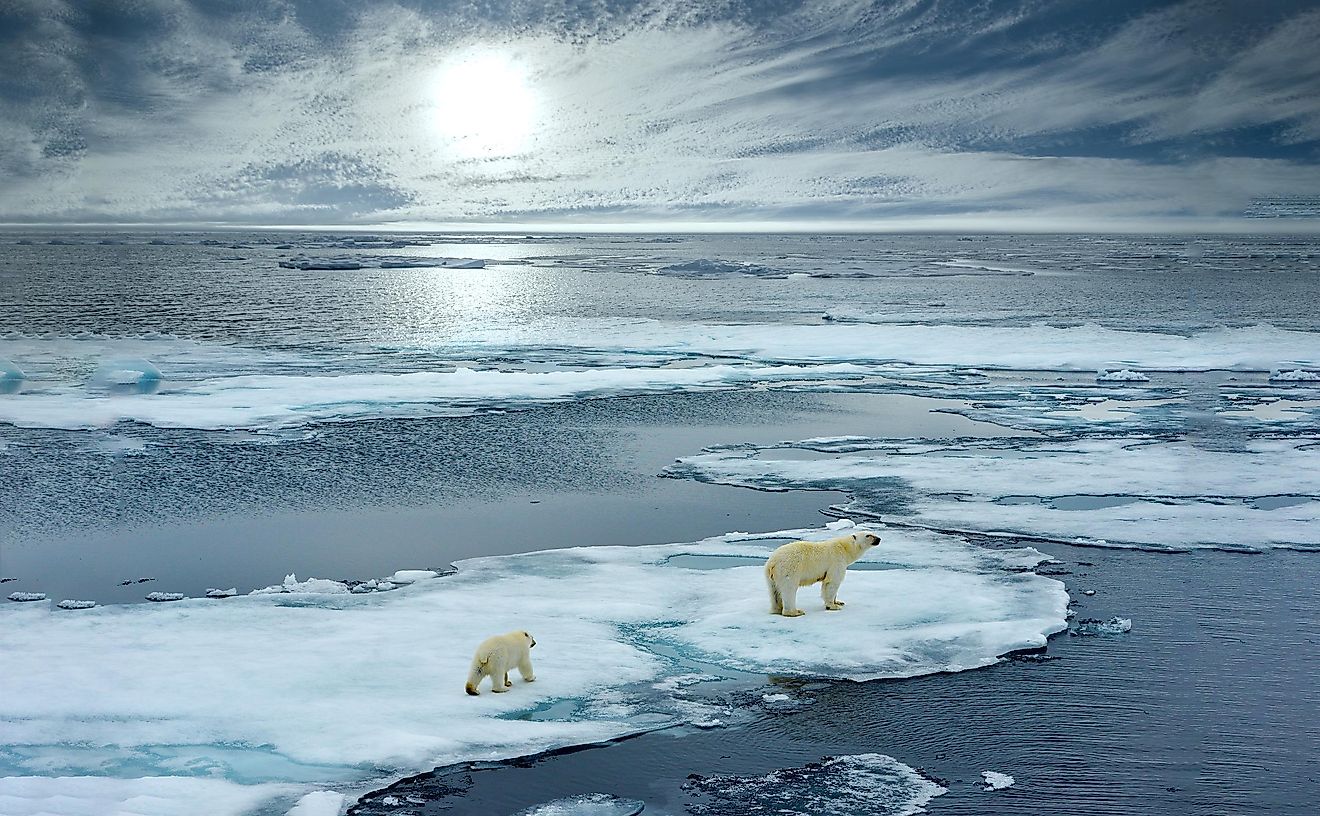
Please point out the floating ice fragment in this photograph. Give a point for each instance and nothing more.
(315, 586)
(858, 785)
(1296, 375)
(412, 576)
(127, 376)
(221, 593)
(707, 268)
(1095, 626)
(27, 596)
(993, 780)
(11, 377)
(161, 597)
(1121, 375)
(776, 698)
(590, 804)
(71, 604)
(1088, 592)
(318, 803)
(840, 524)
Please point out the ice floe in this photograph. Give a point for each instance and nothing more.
(1295, 375)
(706, 268)
(589, 804)
(212, 592)
(27, 597)
(162, 597)
(72, 604)
(994, 780)
(1121, 375)
(855, 785)
(274, 401)
(327, 690)
(1095, 626)
(350, 262)
(1118, 492)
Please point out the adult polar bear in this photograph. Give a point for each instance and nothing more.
(496, 657)
(803, 563)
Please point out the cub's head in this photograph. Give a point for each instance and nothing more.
(531, 641)
(866, 540)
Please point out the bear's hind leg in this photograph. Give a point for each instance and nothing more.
(788, 598)
(776, 602)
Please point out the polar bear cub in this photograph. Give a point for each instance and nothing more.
(803, 563)
(496, 656)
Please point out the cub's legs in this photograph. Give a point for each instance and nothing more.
(525, 668)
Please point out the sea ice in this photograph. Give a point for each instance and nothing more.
(1120, 491)
(1121, 375)
(1095, 626)
(72, 604)
(707, 268)
(24, 597)
(221, 593)
(1296, 375)
(856, 785)
(339, 688)
(412, 576)
(291, 584)
(993, 780)
(590, 804)
(319, 803)
(160, 597)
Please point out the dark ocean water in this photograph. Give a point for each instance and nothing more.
(189, 412)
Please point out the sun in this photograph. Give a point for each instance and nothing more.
(485, 105)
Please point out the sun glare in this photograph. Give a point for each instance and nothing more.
(485, 105)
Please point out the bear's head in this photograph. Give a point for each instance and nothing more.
(866, 539)
(531, 641)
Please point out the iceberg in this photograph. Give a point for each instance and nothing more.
(266, 698)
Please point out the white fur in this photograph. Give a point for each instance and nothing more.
(803, 563)
(496, 657)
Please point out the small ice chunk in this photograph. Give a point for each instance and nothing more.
(776, 698)
(840, 524)
(993, 780)
(1095, 626)
(1121, 375)
(318, 803)
(412, 576)
(27, 596)
(385, 586)
(71, 604)
(211, 592)
(160, 597)
(314, 586)
(1296, 375)
(590, 804)
(1088, 592)
(391, 801)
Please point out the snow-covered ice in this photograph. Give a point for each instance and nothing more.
(1121, 375)
(319, 803)
(212, 592)
(26, 597)
(327, 690)
(161, 597)
(1122, 491)
(994, 780)
(1295, 375)
(69, 603)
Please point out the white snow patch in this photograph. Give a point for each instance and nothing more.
(319, 803)
(840, 524)
(412, 576)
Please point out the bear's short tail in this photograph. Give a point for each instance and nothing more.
(776, 602)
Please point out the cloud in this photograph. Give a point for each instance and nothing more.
(293, 111)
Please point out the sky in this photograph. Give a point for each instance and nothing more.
(1015, 113)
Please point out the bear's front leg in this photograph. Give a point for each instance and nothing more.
(525, 669)
(828, 589)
